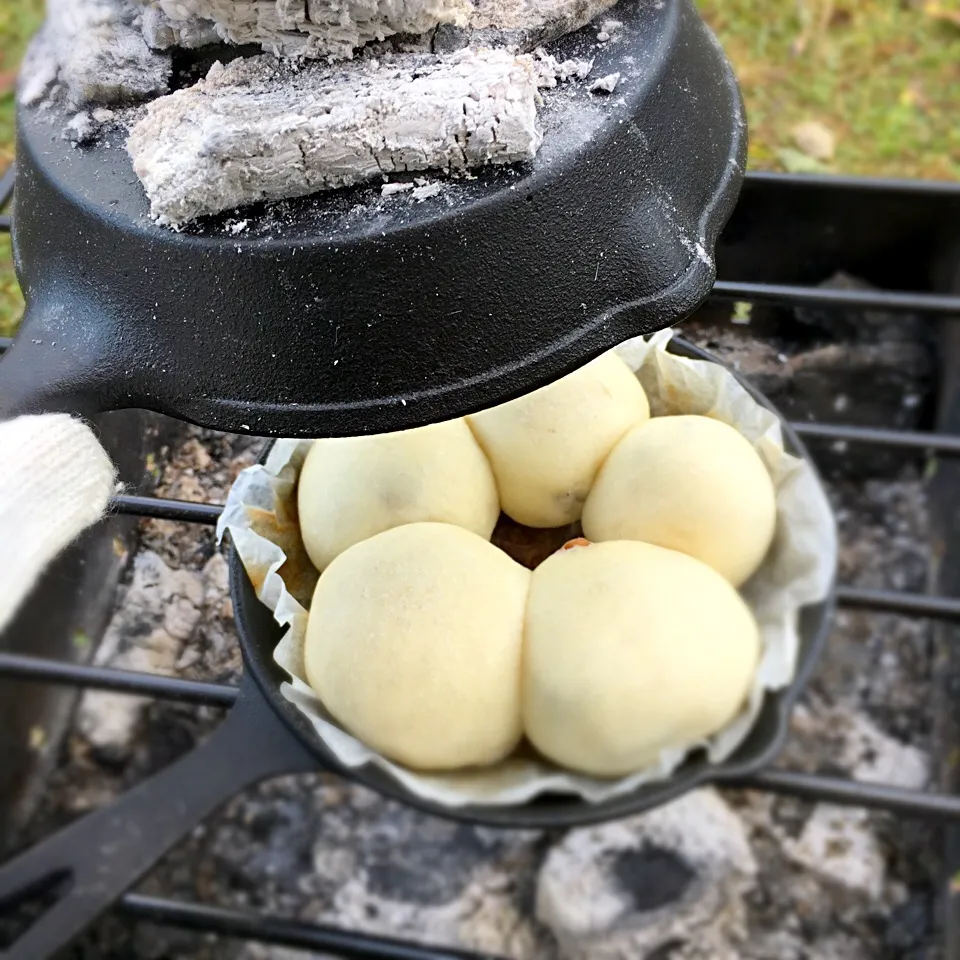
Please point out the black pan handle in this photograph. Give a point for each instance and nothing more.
(104, 853)
(65, 359)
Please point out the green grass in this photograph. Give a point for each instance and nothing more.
(882, 75)
(18, 20)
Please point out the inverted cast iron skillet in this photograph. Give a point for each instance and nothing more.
(349, 314)
(263, 736)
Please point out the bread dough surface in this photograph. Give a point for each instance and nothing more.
(629, 649)
(546, 447)
(352, 488)
(414, 644)
(689, 483)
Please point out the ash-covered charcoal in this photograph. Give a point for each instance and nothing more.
(162, 32)
(320, 28)
(93, 52)
(261, 130)
(518, 24)
(296, 28)
(442, 85)
(651, 885)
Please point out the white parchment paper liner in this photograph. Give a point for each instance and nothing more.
(798, 571)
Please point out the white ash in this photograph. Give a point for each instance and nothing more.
(260, 130)
(605, 84)
(81, 128)
(92, 52)
(632, 887)
(162, 32)
(392, 189)
(163, 609)
(320, 28)
(551, 71)
(297, 28)
(839, 845)
(426, 190)
(873, 757)
(519, 24)
(609, 30)
(529, 14)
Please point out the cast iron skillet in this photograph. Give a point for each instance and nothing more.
(347, 314)
(263, 736)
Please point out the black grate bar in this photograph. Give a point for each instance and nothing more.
(282, 932)
(935, 442)
(893, 601)
(809, 786)
(888, 601)
(788, 294)
(39, 669)
(21, 667)
(6, 223)
(5, 344)
(160, 509)
(921, 441)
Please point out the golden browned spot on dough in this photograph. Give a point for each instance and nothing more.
(576, 542)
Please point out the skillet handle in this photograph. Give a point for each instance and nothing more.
(106, 852)
(63, 360)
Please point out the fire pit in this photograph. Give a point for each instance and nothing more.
(70, 385)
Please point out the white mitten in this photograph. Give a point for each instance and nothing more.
(55, 481)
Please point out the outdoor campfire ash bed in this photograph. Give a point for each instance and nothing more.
(264, 735)
(346, 316)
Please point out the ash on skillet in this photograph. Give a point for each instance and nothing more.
(716, 875)
(286, 124)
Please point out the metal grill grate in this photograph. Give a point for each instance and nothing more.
(279, 931)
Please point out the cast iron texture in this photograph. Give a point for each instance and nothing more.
(347, 313)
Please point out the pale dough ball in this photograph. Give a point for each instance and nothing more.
(414, 644)
(631, 648)
(689, 483)
(546, 447)
(354, 487)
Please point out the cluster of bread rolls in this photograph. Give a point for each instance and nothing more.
(440, 651)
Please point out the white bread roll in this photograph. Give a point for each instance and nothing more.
(354, 487)
(414, 644)
(630, 648)
(546, 447)
(689, 483)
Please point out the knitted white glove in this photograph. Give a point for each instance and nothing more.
(55, 481)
